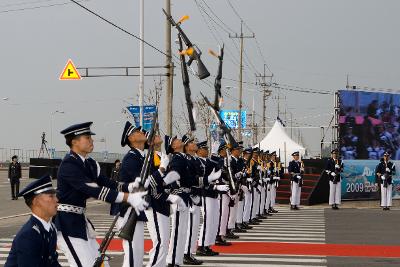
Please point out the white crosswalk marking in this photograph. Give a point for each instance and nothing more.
(303, 226)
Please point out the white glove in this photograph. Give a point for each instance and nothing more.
(337, 166)
(259, 167)
(214, 175)
(174, 199)
(268, 172)
(265, 180)
(277, 178)
(238, 174)
(164, 161)
(137, 202)
(298, 177)
(171, 177)
(383, 177)
(249, 180)
(333, 174)
(214, 147)
(244, 188)
(268, 179)
(134, 185)
(387, 169)
(222, 188)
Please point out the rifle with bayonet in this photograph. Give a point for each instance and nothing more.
(186, 85)
(217, 83)
(192, 50)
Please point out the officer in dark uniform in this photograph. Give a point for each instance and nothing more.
(296, 170)
(334, 167)
(14, 175)
(79, 178)
(384, 177)
(35, 244)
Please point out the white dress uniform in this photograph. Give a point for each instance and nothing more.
(384, 176)
(333, 168)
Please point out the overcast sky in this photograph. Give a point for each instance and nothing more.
(306, 43)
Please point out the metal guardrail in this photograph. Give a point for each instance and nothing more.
(24, 155)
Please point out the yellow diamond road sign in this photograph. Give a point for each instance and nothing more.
(70, 72)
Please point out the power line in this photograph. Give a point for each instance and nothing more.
(120, 28)
(38, 7)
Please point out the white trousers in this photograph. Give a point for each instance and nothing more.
(262, 200)
(86, 251)
(224, 214)
(178, 235)
(335, 193)
(268, 198)
(296, 194)
(193, 229)
(158, 226)
(256, 203)
(239, 213)
(273, 195)
(232, 213)
(209, 227)
(386, 196)
(247, 206)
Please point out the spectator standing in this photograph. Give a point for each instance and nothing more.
(115, 170)
(14, 175)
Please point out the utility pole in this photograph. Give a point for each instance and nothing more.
(170, 70)
(141, 63)
(266, 93)
(241, 37)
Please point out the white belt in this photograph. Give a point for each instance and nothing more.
(71, 208)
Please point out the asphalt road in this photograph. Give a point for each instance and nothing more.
(356, 226)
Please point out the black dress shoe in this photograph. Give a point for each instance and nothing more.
(230, 235)
(296, 208)
(274, 211)
(172, 265)
(190, 260)
(239, 229)
(253, 222)
(220, 242)
(246, 226)
(211, 252)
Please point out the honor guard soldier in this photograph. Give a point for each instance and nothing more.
(190, 149)
(78, 179)
(36, 243)
(296, 170)
(180, 211)
(246, 187)
(14, 176)
(275, 173)
(159, 209)
(241, 187)
(236, 167)
(209, 227)
(255, 185)
(334, 167)
(224, 198)
(384, 177)
(131, 167)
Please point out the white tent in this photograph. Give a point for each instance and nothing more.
(277, 140)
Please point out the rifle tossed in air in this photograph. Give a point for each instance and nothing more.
(186, 84)
(193, 51)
